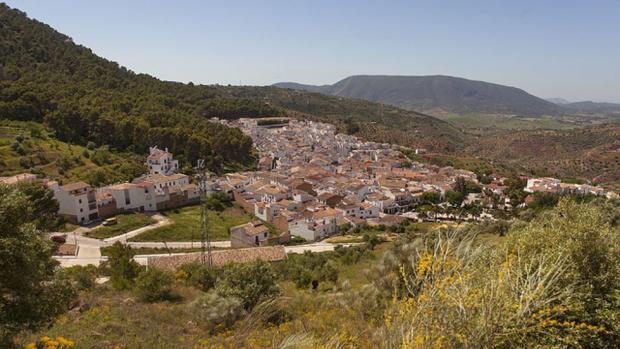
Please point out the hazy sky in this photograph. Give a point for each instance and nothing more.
(561, 48)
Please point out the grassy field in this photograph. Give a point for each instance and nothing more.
(30, 147)
(186, 225)
(126, 223)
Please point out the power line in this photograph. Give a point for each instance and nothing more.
(203, 186)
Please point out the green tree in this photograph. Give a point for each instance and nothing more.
(31, 294)
(372, 240)
(430, 197)
(200, 275)
(455, 198)
(123, 269)
(515, 190)
(43, 206)
(250, 282)
(97, 177)
(154, 285)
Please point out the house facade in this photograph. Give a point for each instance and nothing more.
(161, 162)
(77, 202)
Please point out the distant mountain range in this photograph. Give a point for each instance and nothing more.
(436, 93)
(589, 107)
(559, 101)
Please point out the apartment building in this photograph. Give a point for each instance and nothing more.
(77, 202)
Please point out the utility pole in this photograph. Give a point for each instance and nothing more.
(205, 242)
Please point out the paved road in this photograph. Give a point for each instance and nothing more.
(89, 248)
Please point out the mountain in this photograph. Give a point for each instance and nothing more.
(590, 107)
(436, 93)
(558, 101)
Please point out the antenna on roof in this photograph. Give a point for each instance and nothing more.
(205, 243)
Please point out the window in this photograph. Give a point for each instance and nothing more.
(81, 210)
(80, 201)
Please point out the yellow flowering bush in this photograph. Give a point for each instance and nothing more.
(46, 342)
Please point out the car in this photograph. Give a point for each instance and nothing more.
(59, 239)
(110, 221)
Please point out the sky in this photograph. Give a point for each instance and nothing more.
(550, 48)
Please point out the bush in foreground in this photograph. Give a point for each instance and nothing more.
(214, 310)
(251, 282)
(199, 275)
(154, 285)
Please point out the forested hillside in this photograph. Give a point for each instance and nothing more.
(45, 77)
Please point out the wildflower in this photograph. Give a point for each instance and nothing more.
(424, 265)
(30, 346)
(66, 343)
(180, 276)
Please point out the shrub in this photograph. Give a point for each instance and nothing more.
(329, 272)
(372, 240)
(219, 201)
(550, 283)
(199, 275)
(42, 158)
(82, 277)
(251, 282)
(64, 163)
(35, 133)
(214, 310)
(154, 285)
(25, 162)
(91, 145)
(97, 177)
(101, 156)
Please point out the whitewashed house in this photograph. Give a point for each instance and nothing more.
(77, 202)
(161, 162)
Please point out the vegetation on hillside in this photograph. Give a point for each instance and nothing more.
(30, 147)
(549, 282)
(591, 152)
(45, 77)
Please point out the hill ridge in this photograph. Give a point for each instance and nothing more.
(436, 92)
